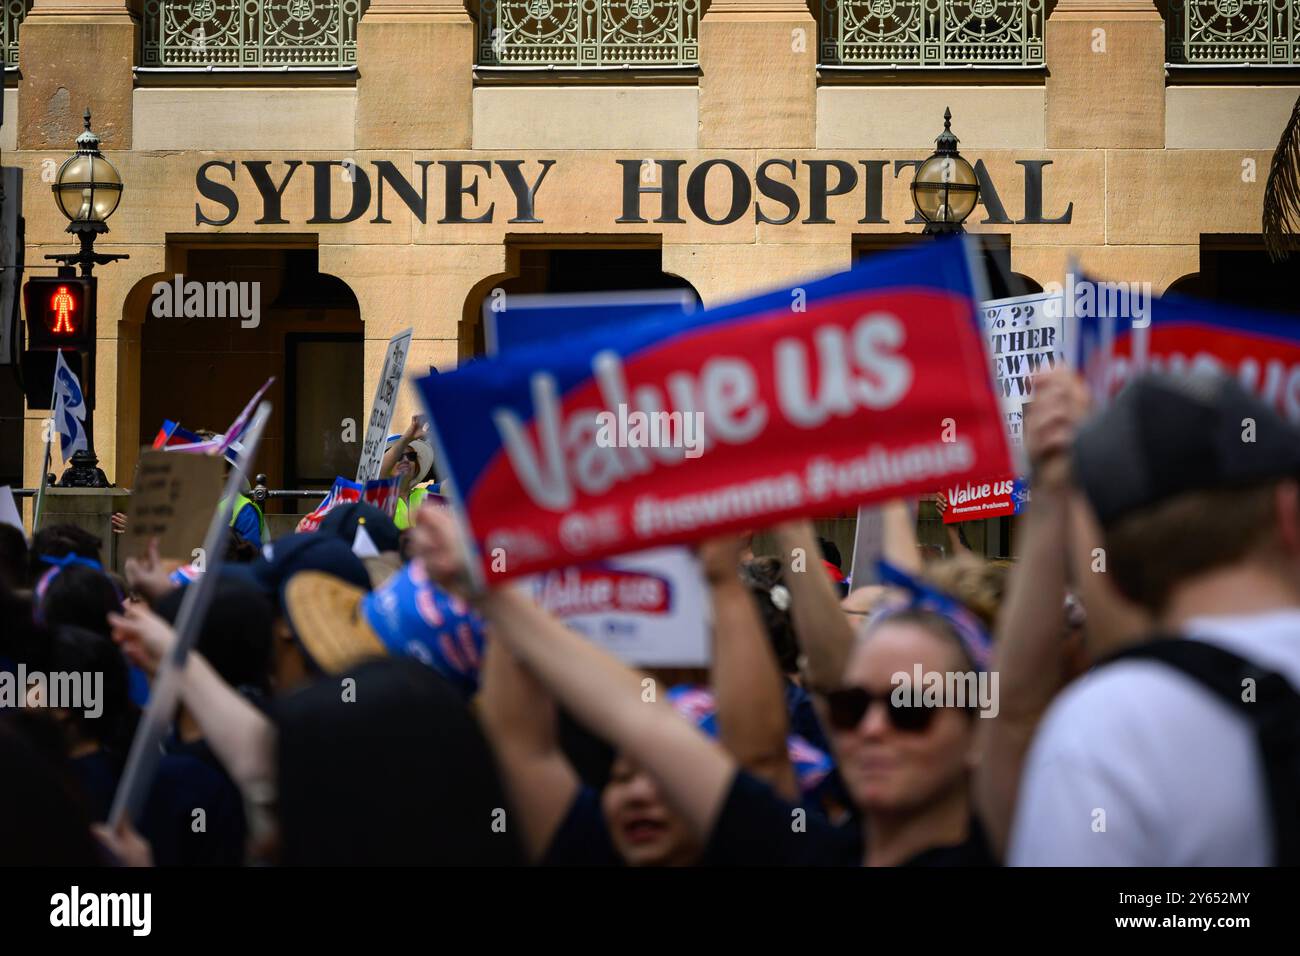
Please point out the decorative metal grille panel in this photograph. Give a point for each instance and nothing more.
(14, 12)
(932, 32)
(251, 33)
(1234, 31)
(576, 33)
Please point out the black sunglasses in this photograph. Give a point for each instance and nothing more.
(848, 707)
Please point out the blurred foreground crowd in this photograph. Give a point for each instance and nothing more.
(1120, 694)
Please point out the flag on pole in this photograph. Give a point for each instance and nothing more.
(171, 433)
(69, 409)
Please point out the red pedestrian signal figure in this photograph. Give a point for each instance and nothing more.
(62, 305)
(60, 313)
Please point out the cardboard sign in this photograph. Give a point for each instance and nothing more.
(668, 430)
(651, 609)
(517, 321)
(381, 409)
(171, 499)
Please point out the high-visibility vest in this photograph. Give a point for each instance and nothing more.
(242, 502)
(402, 513)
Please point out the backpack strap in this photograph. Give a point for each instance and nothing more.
(1273, 711)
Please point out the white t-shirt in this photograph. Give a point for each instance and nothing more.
(1172, 774)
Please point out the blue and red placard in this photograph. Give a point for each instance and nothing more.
(859, 387)
(1260, 349)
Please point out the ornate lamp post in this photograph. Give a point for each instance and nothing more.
(87, 189)
(945, 188)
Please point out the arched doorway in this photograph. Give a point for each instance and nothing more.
(294, 323)
(563, 265)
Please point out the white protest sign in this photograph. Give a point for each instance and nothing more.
(381, 409)
(1024, 334)
(650, 609)
(9, 508)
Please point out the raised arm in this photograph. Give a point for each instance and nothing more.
(394, 452)
(824, 632)
(519, 718)
(1029, 654)
(602, 693)
(239, 734)
(752, 720)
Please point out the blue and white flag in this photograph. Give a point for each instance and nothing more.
(69, 409)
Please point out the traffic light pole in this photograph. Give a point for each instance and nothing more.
(86, 258)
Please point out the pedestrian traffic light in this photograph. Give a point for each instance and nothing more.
(60, 313)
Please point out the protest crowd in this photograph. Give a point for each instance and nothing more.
(1121, 692)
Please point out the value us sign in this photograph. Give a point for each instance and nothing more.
(844, 400)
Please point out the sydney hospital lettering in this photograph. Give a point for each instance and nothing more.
(647, 186)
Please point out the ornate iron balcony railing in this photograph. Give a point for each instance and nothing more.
(251, 33)
(932, 33)
(1229, 32)
(14, 12)
(586, 33)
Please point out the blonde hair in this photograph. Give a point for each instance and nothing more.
(977, 584)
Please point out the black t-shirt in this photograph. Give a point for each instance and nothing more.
(758, 828)
(582, 839)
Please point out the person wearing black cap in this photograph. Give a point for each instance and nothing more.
(1154, 758)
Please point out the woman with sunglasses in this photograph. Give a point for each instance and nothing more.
(910, 785)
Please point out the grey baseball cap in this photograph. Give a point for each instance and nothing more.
(1168, 434)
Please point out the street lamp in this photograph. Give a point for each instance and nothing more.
(945, 188)
(87, 189)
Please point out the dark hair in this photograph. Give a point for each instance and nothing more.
(830, 552)
(43, 822)
(58, 540)
(399, 775)
(236, 635)
(14, 575)
(82, 597)
(20, 636)
(1152, 551)
(761, 575)
(78, 650)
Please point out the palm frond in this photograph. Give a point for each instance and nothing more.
(1282, 191)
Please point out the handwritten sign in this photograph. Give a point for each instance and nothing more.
(1024, 334)
(381, 409)
(172, 499)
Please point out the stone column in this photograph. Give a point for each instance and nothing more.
(1105, 75)
(758, 75)
(415, 63)
(75, 54)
